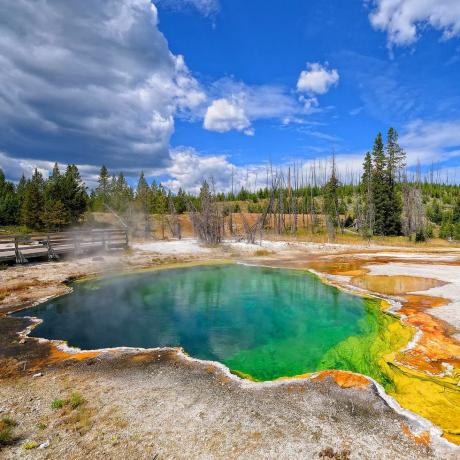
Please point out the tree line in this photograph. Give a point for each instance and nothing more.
(37, 203)
(386, 199)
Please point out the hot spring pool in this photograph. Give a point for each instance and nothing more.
(260, 322)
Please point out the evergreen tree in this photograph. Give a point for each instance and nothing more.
(121, 193)
(9, 202)
(435, 213)
(395, 162)
(54, 187)
(379, 187)
(331, 202)
(143, 194)
(180, 201)
(55, 215)
(20, 189)
(103, 189)
(33, 202)
(74, 196)
(456, 211)
(447, 227)
(367, 197)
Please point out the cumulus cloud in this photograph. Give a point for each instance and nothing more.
(317, 79)
(402, 19)
(236, 105)
(224, 115)
(189, 169)
(90, 85)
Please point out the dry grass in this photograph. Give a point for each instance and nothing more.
(7, 425)
(303, 234)
(74, 412)
(262, 252)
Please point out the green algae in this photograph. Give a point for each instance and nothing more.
(371, 352)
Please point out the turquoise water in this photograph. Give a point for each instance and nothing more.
(263, 322)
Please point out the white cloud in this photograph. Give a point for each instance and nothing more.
(224, 115)
(14, 168)
(317, 79)
(431, 142)
(309, 103)
(190, 168)
(90, 85)
(424, 142)
(207, 8)
(236, 105)
(402, 19)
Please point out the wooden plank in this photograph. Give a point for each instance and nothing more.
(40, 245)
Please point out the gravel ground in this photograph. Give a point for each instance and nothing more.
(159, 407)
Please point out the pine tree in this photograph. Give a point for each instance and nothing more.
(395, 162)
(331, 202)
(162, 207)
(33, 202)
(55, 215)
(9, 202)
(74, 196)
(144, 202)
(435, 213)
(54, 187)
(20, 189)
(121, 193)
(456, 211)
(103, 189)
(379, 187)
(367, 197)
(143, 194)
(180, 201)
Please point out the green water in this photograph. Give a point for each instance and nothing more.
(266, 323)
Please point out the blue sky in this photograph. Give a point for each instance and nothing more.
(188, 89)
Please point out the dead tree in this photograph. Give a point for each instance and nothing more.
(173, 220)
(413, 216)
(251, 231)
(207, 222)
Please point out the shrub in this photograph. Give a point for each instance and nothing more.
(6, 430)
(58, 403)
(76, 400)
(420, 236)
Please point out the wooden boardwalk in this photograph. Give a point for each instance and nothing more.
(50, 246)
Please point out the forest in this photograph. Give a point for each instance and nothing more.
(386, 199)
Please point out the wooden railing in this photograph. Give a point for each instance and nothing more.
(20, 248)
